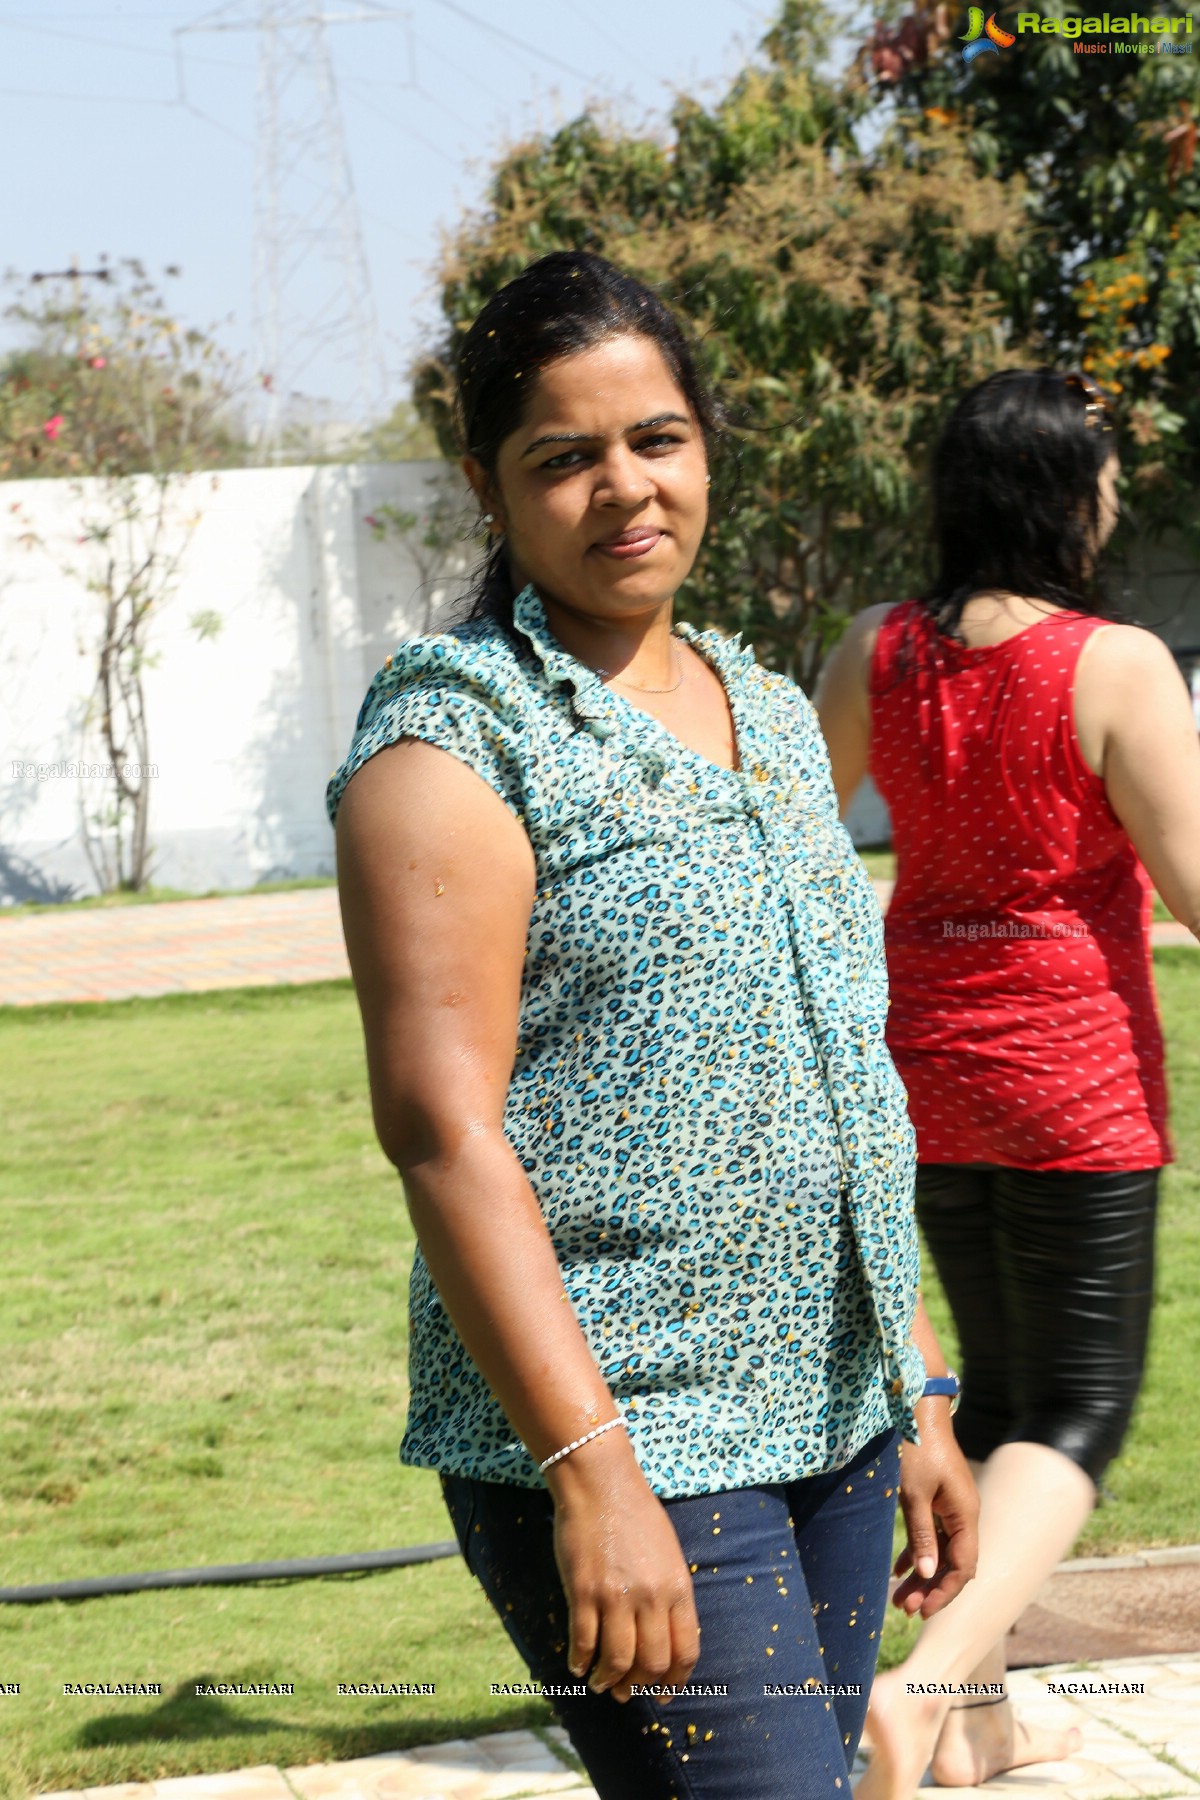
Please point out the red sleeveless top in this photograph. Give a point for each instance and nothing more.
(1023, 1019)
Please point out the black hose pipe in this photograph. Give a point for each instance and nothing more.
(225, 1575)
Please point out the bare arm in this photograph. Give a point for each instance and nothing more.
(1135, 727)
(437, 886)
(937, 1497)
(844, 706)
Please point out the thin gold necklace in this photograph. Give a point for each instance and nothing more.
(639, 689)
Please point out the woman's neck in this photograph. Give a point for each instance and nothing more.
(992, 615)
(637, 649)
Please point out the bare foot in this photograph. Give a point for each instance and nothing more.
(978, 1742)
(902, 1730)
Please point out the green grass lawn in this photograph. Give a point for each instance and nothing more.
(204, 1328)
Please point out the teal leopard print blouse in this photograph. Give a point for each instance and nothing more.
(702, 1097)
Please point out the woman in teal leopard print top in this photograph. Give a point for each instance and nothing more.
(622, 986)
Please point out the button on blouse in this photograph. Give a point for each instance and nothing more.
(702, 1098)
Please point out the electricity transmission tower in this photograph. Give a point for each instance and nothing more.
(313, 300)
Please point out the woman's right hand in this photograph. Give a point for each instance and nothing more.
(628, 1587)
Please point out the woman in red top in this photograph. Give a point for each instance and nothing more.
(1034, 757)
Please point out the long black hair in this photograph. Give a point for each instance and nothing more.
(1015, 493)
(565, 302)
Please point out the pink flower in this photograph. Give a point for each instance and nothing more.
(98, 362)
(53, 426)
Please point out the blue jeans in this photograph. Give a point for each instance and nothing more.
(792, 1592)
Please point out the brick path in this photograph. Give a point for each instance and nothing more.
(180, 946)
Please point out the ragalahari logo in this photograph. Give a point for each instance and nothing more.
(983, 35)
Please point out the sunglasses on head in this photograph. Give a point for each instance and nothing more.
(1095, 403)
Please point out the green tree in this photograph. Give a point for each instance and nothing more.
(1104, 144)
(841, 298)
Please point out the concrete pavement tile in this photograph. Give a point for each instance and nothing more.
(420, 1775)
(1185, 1695)
(262, 1783)
(1167, 1782)
(322, 1781)
(531, 1778)
(417, 1784)
(505, 1746)
(539, 1770)
(1080, 1779)
(355, 1789)
(521, 1750)
(455, 1753)
(1152, 1724)
(124, 1790)
(1128, 1754)
(399, 1778)
(1129, 1674)
(417, 1781)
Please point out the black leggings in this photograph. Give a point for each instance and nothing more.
(1050, 1278)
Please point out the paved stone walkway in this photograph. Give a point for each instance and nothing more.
(1134, 1744)
(189, 946)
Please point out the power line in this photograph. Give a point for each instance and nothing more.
(186, 105)
(352, 85)
(585, 18)
(78, 37)
(414, 86)
(507, 37)
(14, 93)
(20, 18)
(483, 86)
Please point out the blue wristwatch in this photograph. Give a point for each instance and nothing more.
(947, 1384)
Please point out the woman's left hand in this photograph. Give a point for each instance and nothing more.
(941, 1515)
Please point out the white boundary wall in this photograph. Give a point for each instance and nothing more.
(245, 727)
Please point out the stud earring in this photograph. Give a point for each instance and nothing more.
(488, 519)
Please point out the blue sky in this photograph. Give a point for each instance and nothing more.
(109, 148)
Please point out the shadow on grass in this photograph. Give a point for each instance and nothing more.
(185, 1717)
(181, 1717)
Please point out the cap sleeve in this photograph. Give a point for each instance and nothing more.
(448, 692)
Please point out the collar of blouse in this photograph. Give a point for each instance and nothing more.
(597, 707)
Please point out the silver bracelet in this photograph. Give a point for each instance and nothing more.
(585, 1439)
